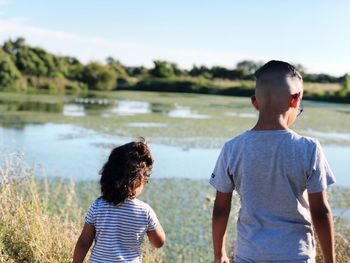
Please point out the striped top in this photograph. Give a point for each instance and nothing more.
(119, 229)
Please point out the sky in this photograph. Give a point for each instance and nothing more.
(314, 33)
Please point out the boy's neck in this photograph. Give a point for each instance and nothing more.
(271, 123)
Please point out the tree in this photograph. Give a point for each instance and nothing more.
(178, 71)
(345, 89)
(201, 71)
(162, 69)
(117, 66)
(301, 69)
(248, 67)
(99, 77)
(137, 71)
(71, 67)
(9, 74)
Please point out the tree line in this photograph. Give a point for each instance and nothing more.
(25, 67)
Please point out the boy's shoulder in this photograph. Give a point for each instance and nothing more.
(251, 136)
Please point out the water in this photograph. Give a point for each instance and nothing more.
(199, 122)
(73, 152)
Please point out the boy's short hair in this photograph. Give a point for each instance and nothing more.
(278, 77)
(276, 66)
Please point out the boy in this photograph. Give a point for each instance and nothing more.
(280, 177)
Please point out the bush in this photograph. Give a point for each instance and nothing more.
(197, 85)
(10, 77)
(99, 77)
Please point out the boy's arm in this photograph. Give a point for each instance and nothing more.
(221, 212)
(322, 219)
(84, 243)
(157, 236)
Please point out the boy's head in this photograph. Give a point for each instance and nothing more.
(279, 89)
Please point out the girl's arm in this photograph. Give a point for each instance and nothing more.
(157, 236)
(84, 243)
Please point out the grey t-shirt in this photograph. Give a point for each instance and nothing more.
(273, 171)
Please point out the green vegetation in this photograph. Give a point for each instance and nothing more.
(34, 209)
(9, 75)
(99, 77)
(33, 69)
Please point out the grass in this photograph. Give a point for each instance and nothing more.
(40, 222)
(41, 219)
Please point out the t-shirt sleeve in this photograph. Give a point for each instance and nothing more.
(90, 216)
(152, 220)
(221, 179)
(320, 174)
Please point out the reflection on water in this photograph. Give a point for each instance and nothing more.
(161, 108)
(131, 107)
(185, 112)
(343, 111)
(36, 106)
(80, 107)
(92, 101)
(241, 114)
(74, 110)
(334, 136)
(71, 151)
(147, 124)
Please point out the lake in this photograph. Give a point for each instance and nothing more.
(71, 136)
(70, 151)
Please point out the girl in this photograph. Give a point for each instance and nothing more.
(117, 221)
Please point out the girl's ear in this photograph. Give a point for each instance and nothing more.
(293, 103)
(254, 102)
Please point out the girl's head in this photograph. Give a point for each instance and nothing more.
(127, 169)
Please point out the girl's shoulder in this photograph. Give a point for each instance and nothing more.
(134, 202)
(99, 202)
(139, 206)
(138, 203)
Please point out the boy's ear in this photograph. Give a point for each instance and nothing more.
(254, 102)
(293, 103)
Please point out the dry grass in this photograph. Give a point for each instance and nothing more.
(314, 88)
(38, 224)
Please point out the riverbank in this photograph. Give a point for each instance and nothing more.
(326, 92)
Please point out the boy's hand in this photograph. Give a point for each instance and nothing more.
(223, 259)
(221, 212)
(322, 220)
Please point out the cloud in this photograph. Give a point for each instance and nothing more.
(98, 48)
(4, 2)
(88, 48)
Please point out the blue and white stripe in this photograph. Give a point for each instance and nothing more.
(119, 229)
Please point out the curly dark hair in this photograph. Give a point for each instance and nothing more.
(124, 171)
